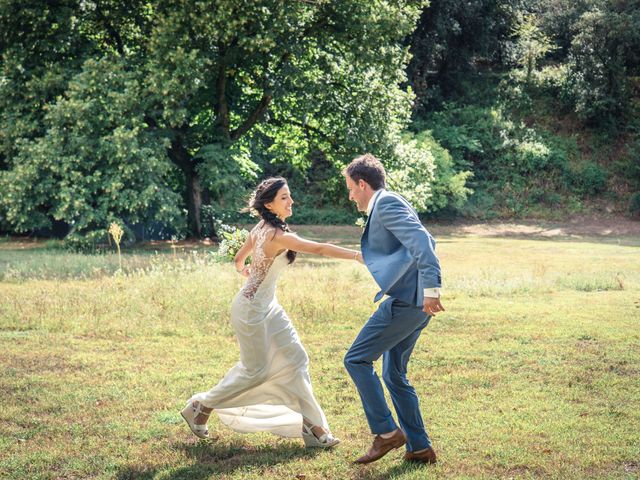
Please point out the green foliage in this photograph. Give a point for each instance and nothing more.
(97, 162)
(603, 55)
(216, 218)
(41, 47)
(166, 100)
(452, 40)
(558, 19)
(319, 192)
(589, 179)
(308, 215)
(278, 81)
(424, 173)
(146, 111)
(95, 241)
(481, 204)
(411, 173)
(89, 242)
(552, 82)
(225, 171)
(515, 168)
(631, 168)
(532, 45)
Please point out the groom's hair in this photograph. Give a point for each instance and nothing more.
(368, 168)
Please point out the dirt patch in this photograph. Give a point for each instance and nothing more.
(608, 226)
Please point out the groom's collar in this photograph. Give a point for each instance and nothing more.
(372, 200)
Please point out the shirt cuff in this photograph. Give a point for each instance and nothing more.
(432, 292)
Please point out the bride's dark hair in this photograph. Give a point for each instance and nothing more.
(264, 193)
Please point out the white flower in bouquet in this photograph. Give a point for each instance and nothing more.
(232, 240)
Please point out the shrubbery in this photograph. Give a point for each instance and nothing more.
(425, 173)
(516, 168)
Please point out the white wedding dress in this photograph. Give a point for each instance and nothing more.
(269, 389)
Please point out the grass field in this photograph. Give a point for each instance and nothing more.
(532, 372)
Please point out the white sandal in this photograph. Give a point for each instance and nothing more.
(324, 441)
(189, 413)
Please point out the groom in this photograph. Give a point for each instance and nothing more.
(399, 253)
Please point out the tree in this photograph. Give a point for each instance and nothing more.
(453, 37)
(44, 46)
(532, 45)
(96, 163)
(39, 51)
(210, 76)
(602, 60)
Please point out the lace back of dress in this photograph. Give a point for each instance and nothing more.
(260, 263)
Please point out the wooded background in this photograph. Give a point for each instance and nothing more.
(162, 115)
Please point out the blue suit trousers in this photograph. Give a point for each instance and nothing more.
(391, 332)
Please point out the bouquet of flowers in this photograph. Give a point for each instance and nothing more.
(232, 239)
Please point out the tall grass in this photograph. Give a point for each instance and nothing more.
(532, 372)
(56, 264)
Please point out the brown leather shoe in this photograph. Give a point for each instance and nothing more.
(425, 456)
(382, 446)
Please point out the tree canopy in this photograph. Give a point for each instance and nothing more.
(155, 105)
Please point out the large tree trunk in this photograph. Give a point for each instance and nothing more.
(194, 204)
(181, 157)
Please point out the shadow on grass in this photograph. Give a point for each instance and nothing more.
(211, 459)
(426, 471)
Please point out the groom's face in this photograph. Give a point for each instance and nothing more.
(358, 193)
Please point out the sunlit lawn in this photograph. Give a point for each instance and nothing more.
(533, 371)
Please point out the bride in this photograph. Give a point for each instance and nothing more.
(269, 389)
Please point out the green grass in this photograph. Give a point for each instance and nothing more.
(532, 372)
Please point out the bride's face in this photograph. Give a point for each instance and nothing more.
(281, 204)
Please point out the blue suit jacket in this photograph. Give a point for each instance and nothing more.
(398, 250)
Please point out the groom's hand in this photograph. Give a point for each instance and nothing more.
(432, 305)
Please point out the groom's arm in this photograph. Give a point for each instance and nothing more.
(400, 220)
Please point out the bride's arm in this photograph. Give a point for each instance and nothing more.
(242, 254)
(292, 241)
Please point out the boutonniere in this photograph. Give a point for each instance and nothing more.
(361, 222)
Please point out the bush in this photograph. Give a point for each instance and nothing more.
(589, 179)
(515, 168)
(448, 185)
(214, 219)
(480, 205)
(514, 93)
(634, 205)
(96, 241)
(628, 166)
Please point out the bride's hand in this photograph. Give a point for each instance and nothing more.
(245, 272)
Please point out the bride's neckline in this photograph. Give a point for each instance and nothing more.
(263, 225)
